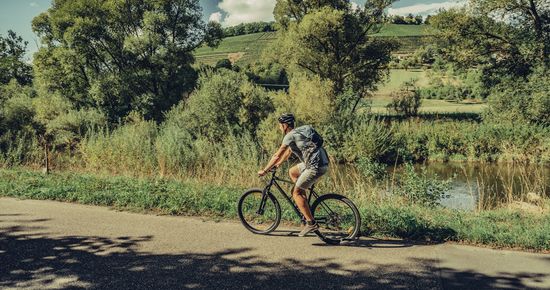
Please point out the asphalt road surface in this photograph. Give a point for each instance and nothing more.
(45, 244)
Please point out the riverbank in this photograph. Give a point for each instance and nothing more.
(382, 217)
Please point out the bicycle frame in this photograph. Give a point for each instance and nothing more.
(272, 182)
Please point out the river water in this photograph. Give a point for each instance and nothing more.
(483, 185)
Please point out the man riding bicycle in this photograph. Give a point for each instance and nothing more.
(307, 145)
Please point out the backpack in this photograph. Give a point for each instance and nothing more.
(312, 137)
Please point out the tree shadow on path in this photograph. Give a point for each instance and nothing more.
(36, 260)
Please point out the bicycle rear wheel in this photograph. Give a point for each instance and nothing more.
(259, 213)
(338, 218)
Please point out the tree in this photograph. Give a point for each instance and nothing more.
(409, 19)
(223, 63)
(527, 101)
(288, 11)
(530, 17)
(398, 19)
(12, 60)
(335, 45)
(406, 101)
(506, 37)
(508, 41)
(427, 20)
(121, 55)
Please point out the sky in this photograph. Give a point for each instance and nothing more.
(18, 14)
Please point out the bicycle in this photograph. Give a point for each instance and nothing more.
(337, 216)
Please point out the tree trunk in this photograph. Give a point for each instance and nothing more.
(46, 169)
(537, 23)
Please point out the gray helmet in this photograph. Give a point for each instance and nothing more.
(286, 118)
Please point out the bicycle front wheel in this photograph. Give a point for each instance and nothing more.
(337, 216)
(259, 213)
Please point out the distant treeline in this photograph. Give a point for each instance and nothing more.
(409, 19)
(248, 28)
(255, 27)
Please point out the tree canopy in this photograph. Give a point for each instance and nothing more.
(12, 60)
(506, 37)
(332, 40)
(121, 55)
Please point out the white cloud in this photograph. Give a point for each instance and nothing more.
(425, 9)
(242, 11)
(355, 6)
(34, 4)
(216, 17)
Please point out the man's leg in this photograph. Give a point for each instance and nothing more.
(299, 194)
(300, 198)
(294, 172)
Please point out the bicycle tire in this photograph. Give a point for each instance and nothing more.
(328, 221)
(248, 219)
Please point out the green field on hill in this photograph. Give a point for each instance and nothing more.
(405, 30)
(398, 77)
(244, 49)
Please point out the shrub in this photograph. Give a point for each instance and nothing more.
(223, 63)
(175, 150)
(368, 139)
(527, 101)
(406, 101)
(225, 103)
(371, 169)
(19, 148)
(68, 128)
(419, 188)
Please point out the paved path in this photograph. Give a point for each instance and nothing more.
(45, 244)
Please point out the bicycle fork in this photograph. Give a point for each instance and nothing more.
(261, 210)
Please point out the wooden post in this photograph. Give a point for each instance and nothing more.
(46, 170)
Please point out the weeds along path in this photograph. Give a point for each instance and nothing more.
(51, 244)
(380, 217)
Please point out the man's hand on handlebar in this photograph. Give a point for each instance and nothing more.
(264, 172)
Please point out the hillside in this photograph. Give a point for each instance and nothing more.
(247, 48)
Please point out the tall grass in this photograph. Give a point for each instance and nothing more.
(452, 140)
(129, 149)
(385, 216)
(517, 186)
(142, 149)
(20, 148)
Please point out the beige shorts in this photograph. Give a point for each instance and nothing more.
(308, 176)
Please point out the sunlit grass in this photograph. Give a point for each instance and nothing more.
(380, 216)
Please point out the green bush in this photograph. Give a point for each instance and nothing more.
(371, 169)
(225, 103)
(487, 141)
(20, 148)
(518, 100)
(369, 139)
(68, 128)
(419, 188)
(406, 101)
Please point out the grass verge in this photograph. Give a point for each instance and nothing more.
(496, 228)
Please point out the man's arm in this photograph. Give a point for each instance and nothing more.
(284, 157)
(278, 156)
